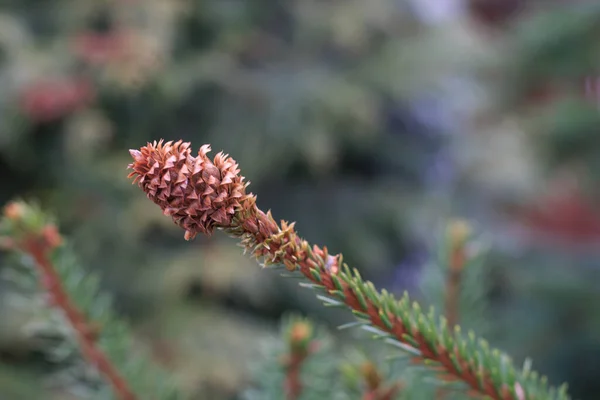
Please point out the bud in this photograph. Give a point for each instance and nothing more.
(14, 211)
(458, 233)
(300, 332)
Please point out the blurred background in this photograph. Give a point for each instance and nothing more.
(369, 122)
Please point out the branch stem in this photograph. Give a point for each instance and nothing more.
(85, 332)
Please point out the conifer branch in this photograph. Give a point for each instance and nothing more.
(301, 346)
(202, 195)
(86, 333)
(301, 362)
(39, 245)
(457, 235)
(102, 342)
(458, 232)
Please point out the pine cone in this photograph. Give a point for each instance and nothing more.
(199, 194)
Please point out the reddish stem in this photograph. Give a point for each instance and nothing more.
(293, 364)
(374, 382)
(458, 259)
(293, 383)
(452, 294)
(86, 333)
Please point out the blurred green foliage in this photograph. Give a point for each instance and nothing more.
(363, 122)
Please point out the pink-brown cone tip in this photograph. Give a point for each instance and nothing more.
(198, 193)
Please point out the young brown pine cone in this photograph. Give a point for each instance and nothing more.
(199, 194)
